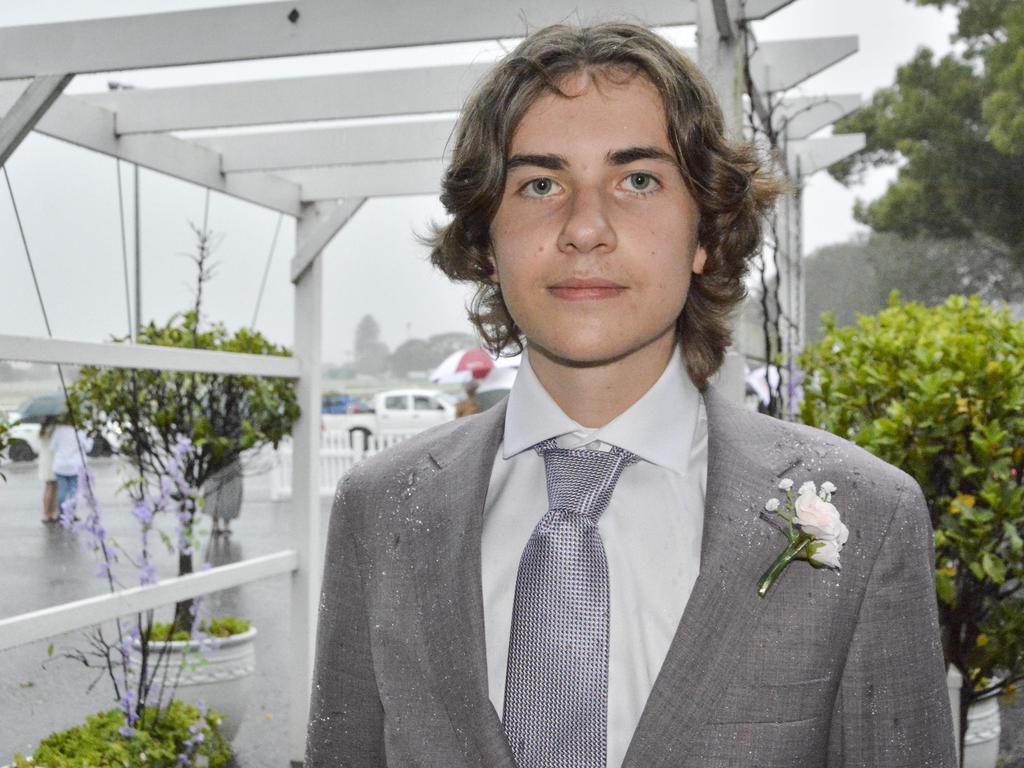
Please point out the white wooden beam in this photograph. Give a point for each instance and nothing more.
(33, 349)
(421, 177)
(780, 64)
(808, 156)
(800, 117)
(320, 97)
(30, 106)
(292, 100)
(317, 147)
(754, 10)
(68, 617)
(91, 127)
(321, 222)
(306, 523)
(299, 27)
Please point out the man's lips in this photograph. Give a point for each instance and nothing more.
(586, 289)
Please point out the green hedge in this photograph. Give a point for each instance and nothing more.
(99, 744)
(939, 392)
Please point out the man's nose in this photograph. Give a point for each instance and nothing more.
(588, 226)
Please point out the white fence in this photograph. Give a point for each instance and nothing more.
(340, 450)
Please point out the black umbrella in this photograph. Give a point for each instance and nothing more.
(38, 408)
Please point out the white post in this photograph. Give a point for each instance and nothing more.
(720, 52)
(721, 49)
(953, 682)
(791, 289)
(305, 517)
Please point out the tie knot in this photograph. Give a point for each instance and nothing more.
(581, 480)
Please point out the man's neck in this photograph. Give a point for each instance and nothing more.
(592, 396)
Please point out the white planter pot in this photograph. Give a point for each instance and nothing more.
(221, 678)
(981, 743)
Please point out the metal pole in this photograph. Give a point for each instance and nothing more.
(138, 256)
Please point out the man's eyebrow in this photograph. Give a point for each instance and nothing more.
(551, 162)
(632, 154)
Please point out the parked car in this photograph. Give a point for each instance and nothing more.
(344, 404)
(395, 411)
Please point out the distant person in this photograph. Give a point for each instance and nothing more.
(222, 495)
(468, 405)
(50, 511)
(69, 448)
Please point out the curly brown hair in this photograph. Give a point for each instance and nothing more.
(731, 184)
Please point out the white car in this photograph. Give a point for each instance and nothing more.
(25, 442)
(397, 411)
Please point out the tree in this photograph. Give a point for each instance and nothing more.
(957, 126)
(412, 355)
(939, 392)
(156, 411)
(371, 353)
(924, 270)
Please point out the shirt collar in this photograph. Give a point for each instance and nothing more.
(659, 427)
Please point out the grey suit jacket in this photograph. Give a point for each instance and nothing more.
(831, 669)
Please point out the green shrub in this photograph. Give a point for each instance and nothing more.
(939, 392)
(223, 627)
(99, 744)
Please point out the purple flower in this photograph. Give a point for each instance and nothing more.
(143, 512)
(147, 574)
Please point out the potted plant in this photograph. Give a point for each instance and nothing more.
(939, 392)
(177, 431)
(212, 667)
(144, 674)
(221, 416)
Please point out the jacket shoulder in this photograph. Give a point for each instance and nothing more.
(824, 451)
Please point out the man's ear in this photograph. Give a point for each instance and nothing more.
(700, 260)
(494, 267)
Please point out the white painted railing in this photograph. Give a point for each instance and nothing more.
(340, 450)
(79, 614)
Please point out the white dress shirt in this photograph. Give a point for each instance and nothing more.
(651, 529)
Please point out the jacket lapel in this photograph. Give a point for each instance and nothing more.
(450, 591)
(736, 548)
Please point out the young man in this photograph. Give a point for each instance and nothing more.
(572, 580)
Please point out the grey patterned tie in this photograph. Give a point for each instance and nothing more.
(556, 687)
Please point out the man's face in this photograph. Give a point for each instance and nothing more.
(596, 235)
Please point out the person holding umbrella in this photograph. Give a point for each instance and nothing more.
(46, 410)
(50, 511)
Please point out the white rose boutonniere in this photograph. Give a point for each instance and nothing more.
(814, 529)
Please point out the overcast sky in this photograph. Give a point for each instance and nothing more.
(68, 198)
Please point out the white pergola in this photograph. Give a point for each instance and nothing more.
(319, 175)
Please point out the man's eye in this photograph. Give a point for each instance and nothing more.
(640, 182)
(543, 187)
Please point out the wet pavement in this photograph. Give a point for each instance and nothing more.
(46, 565)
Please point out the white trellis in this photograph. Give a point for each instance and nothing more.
(321, 176)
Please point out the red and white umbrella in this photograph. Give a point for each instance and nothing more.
(463, 365)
